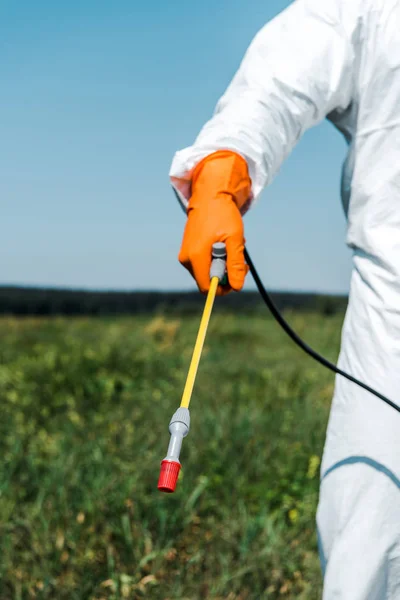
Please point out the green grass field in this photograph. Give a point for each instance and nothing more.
(84, 424)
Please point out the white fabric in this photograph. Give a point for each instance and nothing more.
(338, 59)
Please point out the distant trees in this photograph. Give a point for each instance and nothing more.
(42, 301)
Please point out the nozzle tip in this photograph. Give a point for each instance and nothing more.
(168, 476)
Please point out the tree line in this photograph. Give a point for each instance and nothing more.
(31, 301)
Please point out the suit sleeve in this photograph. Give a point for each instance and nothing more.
(297, 70)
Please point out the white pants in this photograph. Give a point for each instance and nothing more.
(359, 509)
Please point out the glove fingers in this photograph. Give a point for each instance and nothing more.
(199, 267)
(236, 266)
(198, 264)
(198, 238)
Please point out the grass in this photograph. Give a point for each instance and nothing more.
(84, 424)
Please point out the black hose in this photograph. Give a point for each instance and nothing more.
(299, 342)
(293, 335)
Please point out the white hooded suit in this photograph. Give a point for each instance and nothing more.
(338, 59)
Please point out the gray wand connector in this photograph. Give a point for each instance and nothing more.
(218, 264)
(179, 428)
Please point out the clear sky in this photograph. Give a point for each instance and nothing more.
(96, 96)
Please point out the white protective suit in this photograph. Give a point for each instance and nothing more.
(338, 59)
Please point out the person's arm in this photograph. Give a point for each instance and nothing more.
(297, 70)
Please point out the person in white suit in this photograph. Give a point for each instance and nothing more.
(335, 59)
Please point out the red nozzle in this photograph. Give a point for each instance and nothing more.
(168, 476)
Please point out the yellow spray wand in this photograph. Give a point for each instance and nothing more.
(180, 423)
(201, 336)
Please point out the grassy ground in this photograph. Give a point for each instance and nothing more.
(84, 424)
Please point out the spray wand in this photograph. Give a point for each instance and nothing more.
(180, 423)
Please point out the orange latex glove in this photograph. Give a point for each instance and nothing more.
(221, 187)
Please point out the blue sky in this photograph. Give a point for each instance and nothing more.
(96, 98)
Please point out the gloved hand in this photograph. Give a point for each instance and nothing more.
(221, 187)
